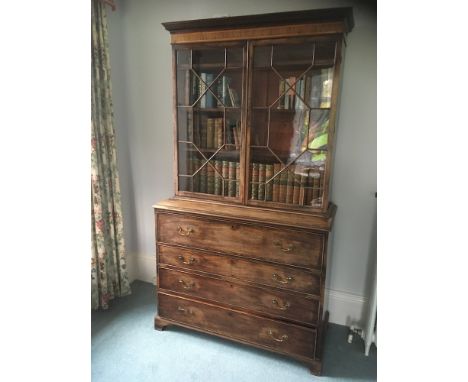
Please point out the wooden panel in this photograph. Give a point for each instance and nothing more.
(296, 307)
(306, 220)
(279, 31)
(278, 336)
(303, 249)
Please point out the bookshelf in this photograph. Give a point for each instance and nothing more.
(268, 107)
(241, 248)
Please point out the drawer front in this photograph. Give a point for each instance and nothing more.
(253, 271)
(303, 249)
(296, 307)
(194, 260)
(276, 275)
(285, 338)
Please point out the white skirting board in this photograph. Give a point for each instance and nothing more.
(345, 308)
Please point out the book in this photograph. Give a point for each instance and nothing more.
(297, 185)
(289, 186)
(299, 92)
(202, 89)
(210, 122)
(269, 185)
(218, 180)
(276, 182)
(209, 95)
(203, 135)
(232, 179)
(225, 175)
(254, 181)
(222, 91)
(283, 182)
(194, 87)
(203, 180)
(210, 178)
(290, 93)
(281, 89)
(218, 136)
(261, 181)
(237, 178)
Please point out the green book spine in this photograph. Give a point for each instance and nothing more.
(276, 182)
(254, 182)
(196, 178)
(290, 186)
(261, 181)
(218, 182)
(225, 174)
(210, 179)
(269, 185)
(203, 180)
(283, 182)
(297, 185)
(237, 178)
(232, 179)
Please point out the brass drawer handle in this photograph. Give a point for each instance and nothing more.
(187, 285)
(284, 307)
(189, 262)
(288, 248)
(278, 278)
(183, 310)
(283, 338)
(184, 232)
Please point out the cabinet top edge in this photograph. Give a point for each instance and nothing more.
(344, 14)
(307, 220)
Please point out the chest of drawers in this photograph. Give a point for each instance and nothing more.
(255, 278)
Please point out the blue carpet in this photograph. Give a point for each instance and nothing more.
(126, 348)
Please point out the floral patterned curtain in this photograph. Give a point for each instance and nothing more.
(108, 266)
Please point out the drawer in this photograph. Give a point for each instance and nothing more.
(276, 275)
(295, 307)
(196, 260)
(253, 271)
(299, 248)
(264, 332)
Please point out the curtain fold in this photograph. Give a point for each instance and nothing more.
(108, 264)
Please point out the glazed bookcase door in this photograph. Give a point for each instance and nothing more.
(291, 113)
(209, 111)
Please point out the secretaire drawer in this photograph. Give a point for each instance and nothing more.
(296, 307)
(282, 337)
(286, 246)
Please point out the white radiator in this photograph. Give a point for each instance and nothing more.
(369, 330)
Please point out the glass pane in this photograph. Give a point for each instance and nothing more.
(291, 100)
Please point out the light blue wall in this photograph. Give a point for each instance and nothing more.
(141, 68)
